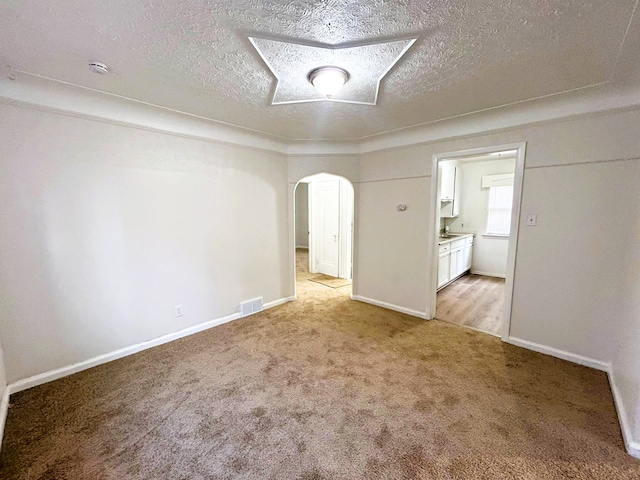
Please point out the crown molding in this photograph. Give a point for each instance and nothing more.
(323, 148)
(59, 97)
(553, 108)
(594, 100)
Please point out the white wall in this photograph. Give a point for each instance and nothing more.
(489, 253)
(569, 287)
(3, 372)
(4, 402)
(302, 215)
(626, 359)
(574, 291)
(391, 244)
(300, 166)
(104, 228)
(568, 164)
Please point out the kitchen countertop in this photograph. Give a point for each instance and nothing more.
(454, 236)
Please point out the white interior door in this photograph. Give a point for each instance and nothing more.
(327, 247)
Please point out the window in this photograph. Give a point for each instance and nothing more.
(499, 217)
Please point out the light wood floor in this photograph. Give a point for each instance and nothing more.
(473, 301)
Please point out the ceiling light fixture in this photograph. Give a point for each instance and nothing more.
(328, 80)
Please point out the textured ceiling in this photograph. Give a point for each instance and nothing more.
(195, 55)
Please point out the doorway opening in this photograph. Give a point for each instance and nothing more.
(323, 225)
(476, 206)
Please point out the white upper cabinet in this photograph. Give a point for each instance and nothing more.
(450, 189)
(457, 190)
(447, 181)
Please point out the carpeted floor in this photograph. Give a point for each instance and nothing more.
(322, 388)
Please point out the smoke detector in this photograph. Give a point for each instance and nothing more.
(98, 67)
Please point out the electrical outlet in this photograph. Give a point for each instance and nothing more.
(178, 310)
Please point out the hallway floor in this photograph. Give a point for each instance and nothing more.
(304, 287)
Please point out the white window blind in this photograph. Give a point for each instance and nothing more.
(499, 218)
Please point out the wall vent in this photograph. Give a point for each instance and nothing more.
(251, 306)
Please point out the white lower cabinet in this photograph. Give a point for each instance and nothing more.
(467, 255)
(457, 263)
(444, 260)
(454, 259)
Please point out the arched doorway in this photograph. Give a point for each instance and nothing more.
(323, 234)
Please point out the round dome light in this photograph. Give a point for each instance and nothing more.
(328, 80)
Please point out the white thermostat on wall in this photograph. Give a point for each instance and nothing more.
(401, 207)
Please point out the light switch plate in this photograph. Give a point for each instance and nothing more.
(532, 220)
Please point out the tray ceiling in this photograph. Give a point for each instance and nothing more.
(195, 56)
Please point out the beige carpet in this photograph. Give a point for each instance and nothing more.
(328, 281)
(322, 388)
(302, 260)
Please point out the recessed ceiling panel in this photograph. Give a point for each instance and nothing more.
(366, 65)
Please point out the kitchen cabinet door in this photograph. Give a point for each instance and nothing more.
(457, 192)
(457, 263)
(447, 181)
(443, 268)
(468, 254)
(450, 190)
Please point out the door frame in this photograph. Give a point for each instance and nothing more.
(434, 225)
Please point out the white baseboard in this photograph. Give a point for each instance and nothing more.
(279, 302)
(467, 327)
(633, 447)
(390, 306)
(123, 352)
(489, 274)
(554, 352)
(4, 410)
